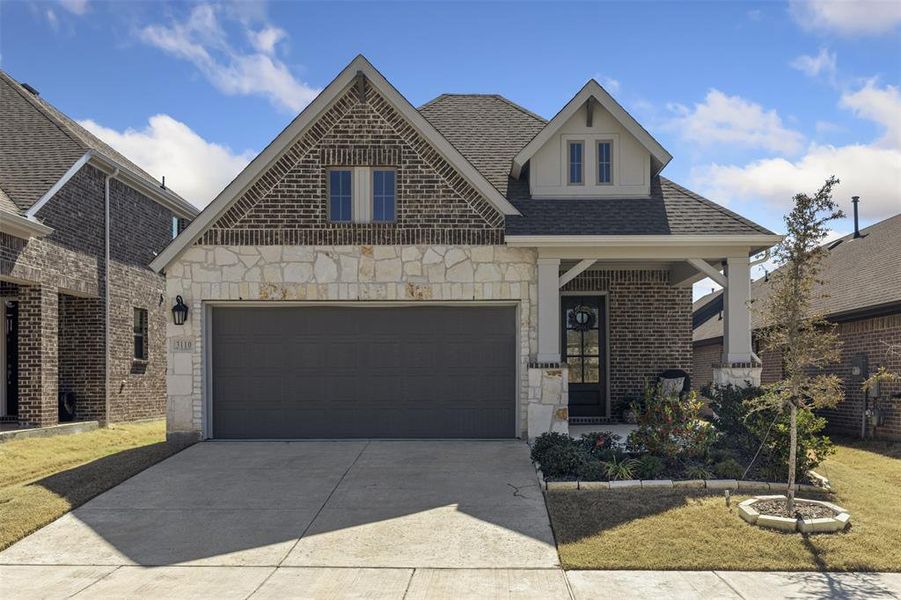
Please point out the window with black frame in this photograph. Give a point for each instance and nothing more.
(140, 334)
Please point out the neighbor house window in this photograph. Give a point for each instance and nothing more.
(383, 196)
(340, 195)
(140, 334)
(174, 227)
(605, 162)
(576, 162)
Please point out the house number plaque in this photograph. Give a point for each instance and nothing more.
(182, 344)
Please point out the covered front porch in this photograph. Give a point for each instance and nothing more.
(615, 314)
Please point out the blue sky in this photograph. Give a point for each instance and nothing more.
(754, 100)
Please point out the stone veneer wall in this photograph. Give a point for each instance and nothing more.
(338, 273)
(649, 322)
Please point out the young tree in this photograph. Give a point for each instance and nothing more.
(805, 340)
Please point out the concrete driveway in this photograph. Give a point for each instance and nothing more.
(363, 513)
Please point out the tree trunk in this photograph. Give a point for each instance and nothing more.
(792, 460)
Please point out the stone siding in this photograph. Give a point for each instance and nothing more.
(649, 322)
(288, 205)
(61, 294)
(403, 274)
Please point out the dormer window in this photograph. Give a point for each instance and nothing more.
(605, 162)
(576, 163)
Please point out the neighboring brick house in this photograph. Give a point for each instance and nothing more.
(467, 269)
(55, 180)
(862, 296)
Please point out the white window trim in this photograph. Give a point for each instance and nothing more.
(614, 163)
(566, 164)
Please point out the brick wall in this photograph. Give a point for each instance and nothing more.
(289, 205)
(871, 338)
(703, 359)
(649, 322)
(61, 318)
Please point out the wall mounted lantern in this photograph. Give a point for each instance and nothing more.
(179, 311)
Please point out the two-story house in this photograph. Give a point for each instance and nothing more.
(467, 269)
(84, 316)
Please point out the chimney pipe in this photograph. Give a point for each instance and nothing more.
(855, 200)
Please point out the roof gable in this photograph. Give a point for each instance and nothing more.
(592, 90)
(274, 154)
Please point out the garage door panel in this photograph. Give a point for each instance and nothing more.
(336, 372)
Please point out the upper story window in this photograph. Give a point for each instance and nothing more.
(576, 163)
(174, 227)
(340, 195)
(605, 162)
(362, 195)
(383, 194)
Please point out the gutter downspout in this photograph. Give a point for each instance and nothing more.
(106, 295)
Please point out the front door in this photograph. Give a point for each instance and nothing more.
(585, 351)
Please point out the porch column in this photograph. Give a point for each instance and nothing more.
(736, 314)
(548, 310)
(38, 358)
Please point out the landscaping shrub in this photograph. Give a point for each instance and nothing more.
(696, 470)
(545, 442)
(592, 470)
(649, 467)
(599, 445)
(729, 469)
(744, 431)
(671, 427)
(620, 468)
(561, 461)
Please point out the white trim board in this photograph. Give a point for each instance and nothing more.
(590, 90)
(299, 127)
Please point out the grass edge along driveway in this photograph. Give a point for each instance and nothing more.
(42, 479)
(693, 529)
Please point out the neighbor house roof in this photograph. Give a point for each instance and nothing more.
(39, 145)
(861, 276)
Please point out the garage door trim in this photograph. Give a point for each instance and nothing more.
(207, 338)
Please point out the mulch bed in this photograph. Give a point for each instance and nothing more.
(803, 510)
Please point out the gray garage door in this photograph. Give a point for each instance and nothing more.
(347, 372)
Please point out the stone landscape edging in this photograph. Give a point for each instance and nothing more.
(710, 484)
(839, 522)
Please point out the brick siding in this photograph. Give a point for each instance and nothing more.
(649, 322)
(703, 359)
(61, 307)
(288, 205)
(871, 337)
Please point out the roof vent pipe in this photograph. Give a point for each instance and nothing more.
(855, 200)
(30, 89)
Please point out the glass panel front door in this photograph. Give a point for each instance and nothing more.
(585, 351)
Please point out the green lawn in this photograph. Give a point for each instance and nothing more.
(41, 479)
(676, 529)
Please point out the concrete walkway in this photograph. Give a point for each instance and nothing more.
(314, 583)
(347, 520)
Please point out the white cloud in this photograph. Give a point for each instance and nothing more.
(724, 119)
(194, 168)
(823, 63)
(871, 171)
(77, 7)
(201, 40)
(52, 19)
(867, 171)
(847, 17)
(609, 83)
(880, 105)
(266, 39)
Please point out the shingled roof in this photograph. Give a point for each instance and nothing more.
(38, 144)
(487, 129)
(861, 274)
(490, 130)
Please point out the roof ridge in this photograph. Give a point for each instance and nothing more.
(716, 206)
(521, 108)
(499, 97)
